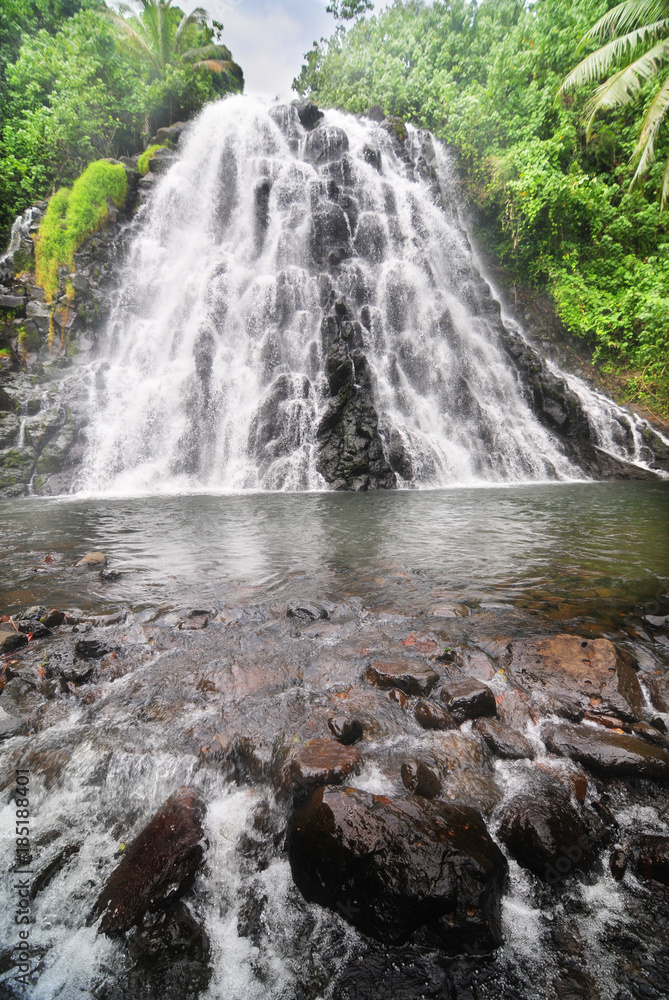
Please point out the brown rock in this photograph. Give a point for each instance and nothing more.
(658, 689)
(345, 730)
(606, 752)
(157, 867)
(411, 676)
(93, 560)
(11, 640)
(418, 778)
(466, 698)
(431, 716)
(318, 762)
(399, 697)
(591, 673)
(53, 618)
(391, 866)
(649, 858)
(502, 740)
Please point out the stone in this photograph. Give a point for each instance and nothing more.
(345, 730)
(77, 673)
(649, 858)
(34, 613)
(93, 560)
(420, 779)
(157, 867)
(53, 618)
(13, 302)
(308, 112)
(11, 725)
(658, 690)
(307, 611)
(431, 716)
(325, 144)
(502, 740)
(544, 832)
(92, 649)
(618, 863)
(392, 866)
(611, 754)
(11, 640)
(321, 761)
(411, 676)
(591, 673)
(466, 698)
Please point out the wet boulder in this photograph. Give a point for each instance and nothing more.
(392, 866)
(11, 639)
(609, 753)
(467, 698)
(308, 112)
(431, 716)
(410, 676)
(318, 762)
(157, 867)
(502, 740)
(544, 832)
(590, 673)
(420, 779)
(92, 649)
(649, 858)
(307, 611)
(93, 560)
(11, 725)
(345, 730)
(325, 144)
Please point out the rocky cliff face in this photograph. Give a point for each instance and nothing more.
(46, 349)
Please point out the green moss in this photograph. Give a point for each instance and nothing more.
(5, 352)
(74, 215)
(143, 161)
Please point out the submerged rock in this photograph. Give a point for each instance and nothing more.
(607, 752)
(466, 698)
(157, 867)
(649, 858)
(392, 866)
(345, 730)
(410, 676)
(502, 740)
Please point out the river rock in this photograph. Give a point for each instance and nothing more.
(92, 649)
(649, 857)
(308, 112)
(157, 867)
(431, 716)
(11, 725)
(606, 752)
(420, 779)
(392, 866)
(618, 863)
(307, 611)
(318, 762)
(466, 698)
(411, 676)
(10, 640)
(345, 730)
(324, 144)
(502, 740)
(592, 673)
(544, 832)
(658, 690)
(93, 560)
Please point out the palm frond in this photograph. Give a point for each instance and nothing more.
(207, 52)
(624, 17)
(197, 16)
(215, 65)
(132, 37)
(645, 148)
(665, 186)
(599, 62)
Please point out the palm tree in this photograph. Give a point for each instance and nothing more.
(639, 45)
(160, 36)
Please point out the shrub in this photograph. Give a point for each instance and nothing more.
(72, 216)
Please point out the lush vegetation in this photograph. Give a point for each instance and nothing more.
(72, 215)
(143, 161)
(73, 88)
(554, 205)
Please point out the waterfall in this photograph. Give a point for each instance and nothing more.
(271, 264)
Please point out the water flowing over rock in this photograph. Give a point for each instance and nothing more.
(300, 309)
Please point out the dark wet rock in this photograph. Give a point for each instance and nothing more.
(431, 716)
(420, 779)
(606, 752)
(307, 611)
(649, 858)
(157, 867)
(11, 725)
(325, 144)
(345, 730)
(33, 628)
(170, 134)
(10, 639)
(46, 874)
(93, 560)
(465, 769)
(92, 649)
(467, 698)
(35, 613)
(392, 866)
(411, 676)
(53, 618)
(618, 864)
(375, 113)
(589, 673)
(502, 740)
(650, 733)
(544, 833)
(318, 762)
(110, 575)
(658, 690)
(308, 112)
(170, 936)
(77, 673)
(657, 621)
(398, 696)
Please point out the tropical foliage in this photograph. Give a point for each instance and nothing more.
(550, 202)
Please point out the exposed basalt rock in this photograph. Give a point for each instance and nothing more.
(502, 740)
(350, 451)
(11, 725)
(607, 752)
(308, 112)
(11, 639)
(318, 762)
(392, 866)
(420, 779)
(431, 716)
(157, 867)
(466, 698)
(544, 833)
(410, 676)
(649, 858)
(590, 673)
(345, 730)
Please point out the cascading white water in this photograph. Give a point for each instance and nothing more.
(214, 375)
